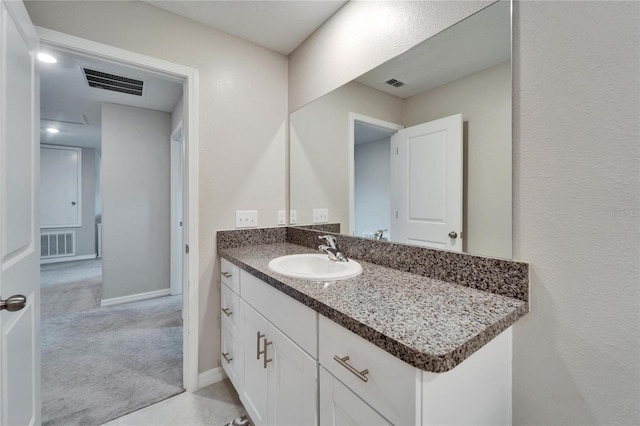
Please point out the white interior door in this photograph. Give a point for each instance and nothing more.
(60, 186)
(19, 262)
(427, 184)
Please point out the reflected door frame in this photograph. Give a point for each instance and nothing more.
(353, 117)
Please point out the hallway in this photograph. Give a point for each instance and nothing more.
(99, 363)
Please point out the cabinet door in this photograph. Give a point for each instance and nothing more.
(339, 406)
(255, 382)
(292, 382)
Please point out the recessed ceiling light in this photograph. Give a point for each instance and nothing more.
(52, 130)
(46, 58)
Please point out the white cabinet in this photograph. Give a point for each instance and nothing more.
(269, 350)
(339, 406)
(231, 353)
(232, 358)
(255, 388)
(477, 391)
(391, 386)
(272, 346)
(279, 377)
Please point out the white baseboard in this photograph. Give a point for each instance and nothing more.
(210, 377)
(135, 297)
(68, 258)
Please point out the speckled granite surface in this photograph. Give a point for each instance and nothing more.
(500, 276)
(254, 236)
(430, 324)
(322, 227)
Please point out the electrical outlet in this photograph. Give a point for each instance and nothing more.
(293, 217)
(281, 217)
(246, 218)
(320, 215)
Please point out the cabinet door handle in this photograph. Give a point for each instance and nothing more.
(258, 351)
(266, 343)
(226, 274)
(227, 312)
(226, 357)
(362, 375)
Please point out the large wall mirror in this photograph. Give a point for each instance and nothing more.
(417, 150)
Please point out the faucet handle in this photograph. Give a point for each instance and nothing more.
(330, 239)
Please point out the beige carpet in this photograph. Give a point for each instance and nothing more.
(101, 363)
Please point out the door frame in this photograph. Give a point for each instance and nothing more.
(351, 146)
(189, 77)
(176, 142)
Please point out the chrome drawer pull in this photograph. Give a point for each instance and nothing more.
(266, 343)
(226, 274)
(225, 355)
(258, 351)
(362, 375)
(227, 312)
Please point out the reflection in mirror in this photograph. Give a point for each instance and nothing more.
(417, 150)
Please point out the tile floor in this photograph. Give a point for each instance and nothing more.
(217, 405)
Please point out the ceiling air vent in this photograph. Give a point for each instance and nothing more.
(395, 83)
(115, 83)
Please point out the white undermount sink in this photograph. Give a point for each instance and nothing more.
(314, 267)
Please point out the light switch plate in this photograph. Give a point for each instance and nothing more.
(246, 218)
(293, 217)
(281, 217)
(320, 215)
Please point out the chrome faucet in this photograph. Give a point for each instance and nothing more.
(331, 248)
(379, 233)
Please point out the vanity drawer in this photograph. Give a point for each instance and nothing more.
(230, 310)
(392, 386)
(230, 275)
(295, 320)
(231, 358)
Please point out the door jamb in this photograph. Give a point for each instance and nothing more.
(176, 142)
(189, 77)
(353, 117)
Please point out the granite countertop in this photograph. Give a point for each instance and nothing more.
(430, 324)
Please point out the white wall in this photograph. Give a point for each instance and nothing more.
(372, 182)
(576, 212)
(85, 235)
(484, 99)
(576, 191)
(320, 164)
(363, 35)
(135, 200)
(242, 120)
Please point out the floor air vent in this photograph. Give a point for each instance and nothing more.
(395, 83)
(115, 83)
(57, 244)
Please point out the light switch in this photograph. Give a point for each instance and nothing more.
(246, 218)
(320, 215)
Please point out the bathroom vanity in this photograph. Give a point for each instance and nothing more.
(386, 347)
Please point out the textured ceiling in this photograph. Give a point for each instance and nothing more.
(276, 25)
